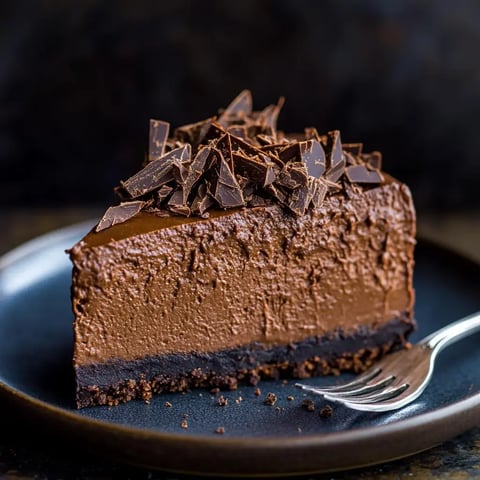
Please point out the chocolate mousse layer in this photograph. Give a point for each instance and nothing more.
(253, 275)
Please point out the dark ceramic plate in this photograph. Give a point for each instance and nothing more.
(36, 374)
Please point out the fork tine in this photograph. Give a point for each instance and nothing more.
(387, 394)
(359, 381)
(366, 390)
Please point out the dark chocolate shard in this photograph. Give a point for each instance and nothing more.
(181, 210)
(258, 169)
(294, 175)
(353, 148)
(177, 198)
(313, 156)
(196, 170)
(311, 133)
(173, 144)
(278, 193)
(299, 200)
(224, 187)
(265, 139)
(180, 171)
(318, 191)
(242, 181)
(156, 173)
(290, 153)
(335, 154)
(268, 117)
(285, 180)
(298, 173)
(331, 186)
(361, 174)
(194, 133)
(119, 214)
(351, 159)
(163, 193)
(240, 107)
(238, 131)
(273, 147)
(176, 204)
(239, 145)
(214, 134)
(373, 160)
(202, 201)
(158, 136)
(257, 201)
(273, 151)
(270, 174)
(224, 144)
(335, 157)
(151, 177)
(248, 191)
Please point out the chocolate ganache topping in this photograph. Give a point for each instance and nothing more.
(240, 159)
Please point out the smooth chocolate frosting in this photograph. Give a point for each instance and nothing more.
(156, 285)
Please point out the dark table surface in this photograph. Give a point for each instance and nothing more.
(27, 452)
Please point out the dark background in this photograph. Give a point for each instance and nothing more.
(78, 82)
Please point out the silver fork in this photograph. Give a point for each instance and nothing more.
(400, 377)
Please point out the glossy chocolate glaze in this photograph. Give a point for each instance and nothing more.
(157, 286)
(145, 222)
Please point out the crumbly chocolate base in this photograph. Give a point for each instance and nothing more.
(121, 381)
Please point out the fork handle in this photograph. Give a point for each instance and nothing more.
(453, 332)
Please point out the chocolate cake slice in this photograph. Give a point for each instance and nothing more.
(237, 253)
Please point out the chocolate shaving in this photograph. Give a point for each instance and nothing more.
(196, 170)
(193, 133)
(313, 156)
(157, 139)
(176, 204)
(155, 174)
(299, 200)
(373, 160)
(317, 191)
(293, 176)
(225, 188)
(268, 117)
(278, 193)
(241, 106)
(242, 160)
(253, 168)
(336, 159)
(312, 134)
(257, 201)
(180, 171)
(119, 214)
(361, 174)
(289, 153)
(163, 193)
(202, 201)
(265, 139)
(285, 179)
(224, 144)
(239, 145)
(351, 159)
(354, 148)
(238, 131)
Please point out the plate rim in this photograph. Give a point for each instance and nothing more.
(469, 404)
